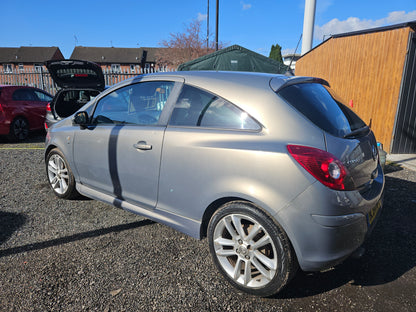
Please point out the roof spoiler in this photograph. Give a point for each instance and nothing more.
(277, 83)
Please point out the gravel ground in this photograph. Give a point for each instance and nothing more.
(82, 255)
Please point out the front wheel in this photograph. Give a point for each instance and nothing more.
(251, 251)
(60, 176)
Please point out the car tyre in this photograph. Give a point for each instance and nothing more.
(250, 250)
(60, 177)
(19, 129)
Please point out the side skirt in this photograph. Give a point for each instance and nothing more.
(182, 224)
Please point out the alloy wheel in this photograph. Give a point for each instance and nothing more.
(20, 129)
(245, 250)
(58, 174)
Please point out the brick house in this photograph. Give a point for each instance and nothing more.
(118, 59)
(27, 58)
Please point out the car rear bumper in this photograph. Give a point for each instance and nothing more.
(326, 226)
(4, 125)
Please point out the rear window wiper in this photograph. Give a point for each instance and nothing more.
(357, 132)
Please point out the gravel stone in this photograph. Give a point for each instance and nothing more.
(83, 255)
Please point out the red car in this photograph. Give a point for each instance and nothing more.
(22, 109)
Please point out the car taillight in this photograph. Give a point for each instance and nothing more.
(48, 107)
(324, 166)
(46, 126)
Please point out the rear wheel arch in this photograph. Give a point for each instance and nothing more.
(211, 209)
(217, 204)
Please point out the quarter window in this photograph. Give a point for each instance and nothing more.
(139, 104)
(198, 108)
(42, 96)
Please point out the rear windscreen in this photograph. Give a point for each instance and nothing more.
(321, 106)
(77, 74)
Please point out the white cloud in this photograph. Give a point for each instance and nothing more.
(336, 26)
(288, 51)
(246, 6)
(202, 17)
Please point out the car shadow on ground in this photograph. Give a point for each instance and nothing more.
(390, 250)
(9, 223)
(73, 238)
(34, 137)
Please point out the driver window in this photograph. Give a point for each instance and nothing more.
(139, 104)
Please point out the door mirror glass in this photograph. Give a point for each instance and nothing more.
(80, 118)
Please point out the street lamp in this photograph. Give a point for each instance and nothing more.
(216, 27)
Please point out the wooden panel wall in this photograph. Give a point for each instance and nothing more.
(367, 69)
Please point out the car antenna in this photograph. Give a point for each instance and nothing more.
(289, 71)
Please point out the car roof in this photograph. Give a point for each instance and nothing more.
(224, 83)
(231, 78)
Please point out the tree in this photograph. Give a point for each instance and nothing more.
(183, 47)
(276, 53)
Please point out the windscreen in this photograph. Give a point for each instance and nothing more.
(320, 105)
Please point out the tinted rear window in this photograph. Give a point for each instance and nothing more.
(71, 74)
(321, 106)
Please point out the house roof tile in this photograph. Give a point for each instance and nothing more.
(114, 55)
(29, 54)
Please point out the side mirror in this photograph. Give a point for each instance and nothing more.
(81, 119)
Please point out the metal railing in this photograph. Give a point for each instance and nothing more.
(40, 77)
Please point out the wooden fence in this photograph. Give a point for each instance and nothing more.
(41, 78)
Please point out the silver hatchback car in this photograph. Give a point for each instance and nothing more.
(274, 170)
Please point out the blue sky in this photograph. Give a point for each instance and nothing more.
(253, 24)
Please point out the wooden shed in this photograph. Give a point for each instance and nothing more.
(375, 71)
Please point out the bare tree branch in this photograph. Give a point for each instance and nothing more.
(183, 47)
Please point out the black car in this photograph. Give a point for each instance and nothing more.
(79, 82)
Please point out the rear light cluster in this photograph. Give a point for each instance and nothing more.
(48, 110)
(324, 166)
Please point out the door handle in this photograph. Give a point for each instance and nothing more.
(142, 145)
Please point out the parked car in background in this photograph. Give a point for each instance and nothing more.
(22, 109)
(274, 170)
(79, 82)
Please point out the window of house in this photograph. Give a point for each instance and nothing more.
(115, 68)
(21, 67)
(38, 67)
(8, 68)
(132, 68)
(198, 108)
